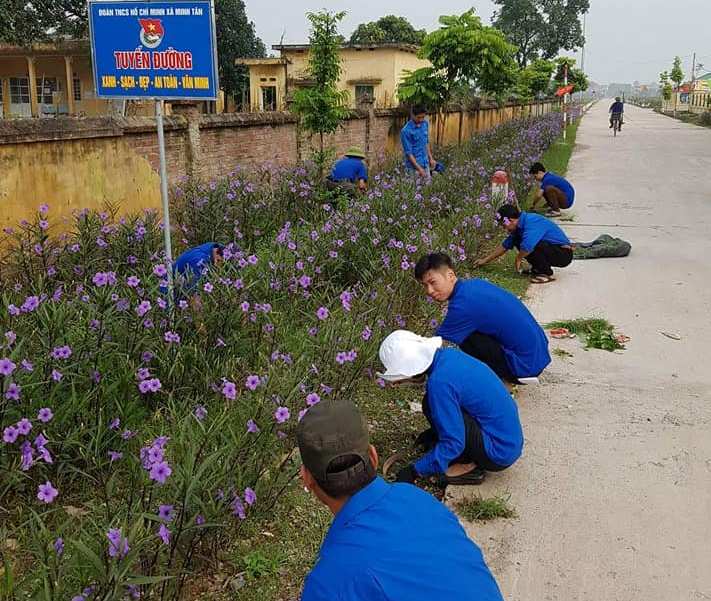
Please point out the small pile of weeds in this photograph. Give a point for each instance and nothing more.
(481, 509)
(597, 332)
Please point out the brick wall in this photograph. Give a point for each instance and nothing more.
(82, 163)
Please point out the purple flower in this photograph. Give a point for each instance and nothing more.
(366, 333)
(45, 414)
(56, 375)
(199, 519)
(160, 270)
(43, 209)
(304, 281)
(346, 298)
(238, 508)
(312, 399)
(100, 279)
(114, 423)
(46, 492)
(58, 546)
(252, 382)
(24, 426)
(172, 337)
(10, 434)
(252, 259)
(27, 456)
(322, 313)
(150, 385)
(127, 434)
(10, 336)
(143, 308)
(208, 287)
(160, 472)
(164, 534)
(252, 427)
(61, 352)
(146, 357)
(132, 281)
(118, 545)
(27, 366)
(250, 497)
(30, 304)
(165, 512)
(6, 367)
(13, 392)
(302, 413)
(244, 306)
(200, 413)
(229, 390)
(281, 415)
(115, 456)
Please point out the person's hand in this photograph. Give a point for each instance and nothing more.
(518, 264)
(422, 172)
(407, 474)
(479, 263)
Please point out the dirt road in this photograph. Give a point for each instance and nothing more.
(614, 489)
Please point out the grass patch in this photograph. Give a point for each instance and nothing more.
(569, 217)
(562, 353)
(597, 332)
(503, 273)
(481, 509)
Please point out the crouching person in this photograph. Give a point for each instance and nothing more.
(475, 427)
(371, 551)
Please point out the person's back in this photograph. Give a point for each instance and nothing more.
(617, 108)
(480, 393)
(532, 229)
(396, 542)
(478, 305)
(349, 169)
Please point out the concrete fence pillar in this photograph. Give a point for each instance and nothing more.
(191, 112)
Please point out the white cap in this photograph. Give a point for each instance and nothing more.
(405, 354)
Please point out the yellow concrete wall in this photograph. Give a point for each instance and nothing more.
(384, 64)
(268, 72)
(73, 175)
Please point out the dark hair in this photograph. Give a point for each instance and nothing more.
(432, 261)
(219, 248)
(508, 212)
(537, 168)
(346, 475)
(418, 109)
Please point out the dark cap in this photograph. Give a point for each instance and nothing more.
(329, 430)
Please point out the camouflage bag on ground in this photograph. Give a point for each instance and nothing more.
(602, 247)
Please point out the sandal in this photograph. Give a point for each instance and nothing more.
(542, 279)
(472, 478)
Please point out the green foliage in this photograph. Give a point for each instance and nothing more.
(677, 73)
(389, 29)
(576, 77)
(463, 53)
(597, 332)
(478, 508)
(665, 86)
(236, 38)
(541, 28)
(535, 79)
(24, 23)
(259, 565)
(322, 107)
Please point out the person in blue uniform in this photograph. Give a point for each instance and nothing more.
(190, 266)
(485, 321)
(557, 191)
(538, 240)
(350, 173)
(415, 140)
(371, 551)
(475, 426)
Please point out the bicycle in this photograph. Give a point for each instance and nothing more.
(616, 124)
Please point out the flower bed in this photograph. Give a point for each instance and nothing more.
(138, 441)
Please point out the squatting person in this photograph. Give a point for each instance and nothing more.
(371, 551)
(191, 265)
(538, 240)
(350, 173)
(557, 191)
(474, 421)
(485, 321)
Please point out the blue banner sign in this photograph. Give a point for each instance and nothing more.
(163, 50)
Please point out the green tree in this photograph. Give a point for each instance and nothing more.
(236, 38)
(677, 76)
(24, 23)
(576, 77)
(322, 107)
(541, 28)
(535, 79)
(389, 29)
(665, 87)
(463, 53)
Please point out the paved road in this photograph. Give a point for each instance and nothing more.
(614, 489)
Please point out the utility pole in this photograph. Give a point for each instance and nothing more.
(565, 102)
(693, 70)
(582, 54)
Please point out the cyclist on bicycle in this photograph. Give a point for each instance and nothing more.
(617, 111)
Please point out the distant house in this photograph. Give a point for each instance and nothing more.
(368, 71)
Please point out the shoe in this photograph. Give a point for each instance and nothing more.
(473, 478)
(553, 214)
(528, 381)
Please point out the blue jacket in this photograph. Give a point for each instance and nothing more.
(532, 229)
(415, 140)
(189, 267)
(457, 384)
(479, 306)
(372, 552)
(551, 179)
(349, 169)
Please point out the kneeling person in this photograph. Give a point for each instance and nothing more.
(371, 551)
(350, 173)
(485, 321)
(474, 419)
(538, 240)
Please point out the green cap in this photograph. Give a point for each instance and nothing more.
(329, 430)
(354, 151)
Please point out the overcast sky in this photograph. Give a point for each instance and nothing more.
(628, 40)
